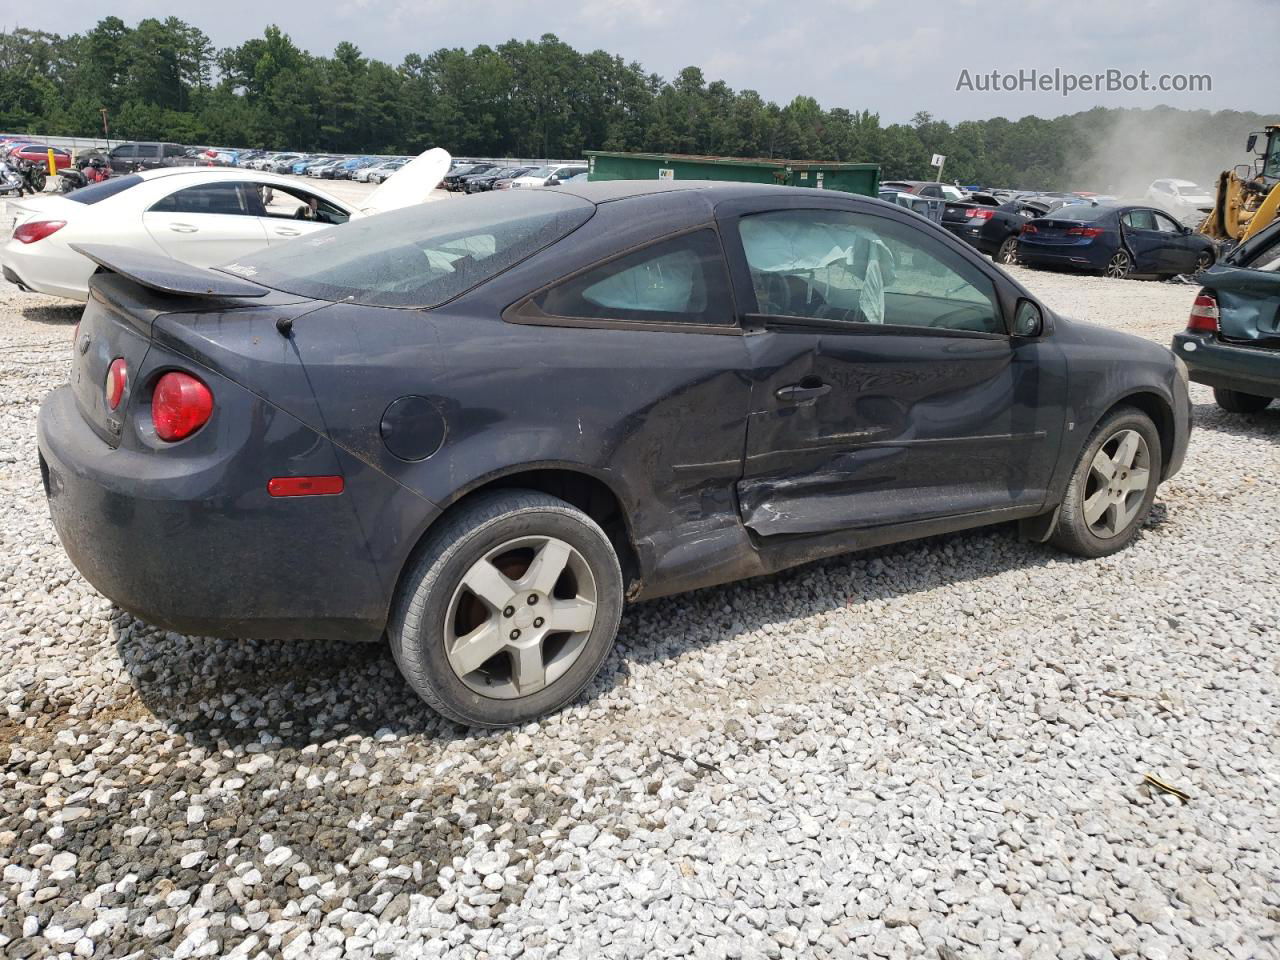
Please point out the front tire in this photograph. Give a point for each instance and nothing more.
(1113, 486)
(1233, 401)
(509, 609)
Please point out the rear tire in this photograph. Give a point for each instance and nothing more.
(1008, 252)
(491, 656)
(1119, 266)
(1233, 401)
(1104, 507)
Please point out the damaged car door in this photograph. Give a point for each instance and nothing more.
(887, 387)
(1146, 242)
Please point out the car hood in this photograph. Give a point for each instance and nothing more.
(412, 183)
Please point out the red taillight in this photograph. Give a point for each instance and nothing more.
(1085, 232)
(35, 230)
(978, 213)
(117, 380)
(304, 486)
(1029, 228)
(1204, 313)
(180, 405)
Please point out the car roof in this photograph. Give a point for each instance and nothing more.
(714, 191)
(240, 173)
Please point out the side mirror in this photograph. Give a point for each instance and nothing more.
(1029, 320)
(1251, 142)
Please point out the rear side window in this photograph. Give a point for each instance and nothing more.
(148, 150)
(422, 255)
(223, 198)
(95, 192)
(683, 280)
(173, 150)
(126, 152)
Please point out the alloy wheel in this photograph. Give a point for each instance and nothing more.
(1118, 266)
(1008, 252)
(520, 617)
(1117, 484)
(1203, 262)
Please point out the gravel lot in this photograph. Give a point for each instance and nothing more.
(932, 750)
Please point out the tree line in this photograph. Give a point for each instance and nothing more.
(163, 79)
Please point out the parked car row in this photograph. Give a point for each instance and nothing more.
(1075, 231)
(478, 176)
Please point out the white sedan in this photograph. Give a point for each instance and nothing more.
(200, 215)
(1182, 198)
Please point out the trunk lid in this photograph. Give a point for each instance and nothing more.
(1049, 230)
(35, 208)
(957, 212)
(1248, 305)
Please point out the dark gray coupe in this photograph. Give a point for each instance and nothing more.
(478, 427)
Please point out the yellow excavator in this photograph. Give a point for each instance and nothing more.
(1249, 196)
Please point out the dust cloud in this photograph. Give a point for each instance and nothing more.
(1138, 146)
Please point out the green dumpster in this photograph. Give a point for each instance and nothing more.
(863, 178)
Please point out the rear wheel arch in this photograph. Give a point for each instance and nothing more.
(577, 487)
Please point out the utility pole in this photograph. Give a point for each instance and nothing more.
(106, 134)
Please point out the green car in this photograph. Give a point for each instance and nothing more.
(1232, 340)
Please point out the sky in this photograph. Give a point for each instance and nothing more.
(888, 56)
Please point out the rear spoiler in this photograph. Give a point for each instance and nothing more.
(167, 275)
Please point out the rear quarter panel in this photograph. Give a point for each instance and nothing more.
(659, 418)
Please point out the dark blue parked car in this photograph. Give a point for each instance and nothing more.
(1232, 340)
(1116, 241)
(478, 428)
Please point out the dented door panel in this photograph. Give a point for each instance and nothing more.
(914, 427)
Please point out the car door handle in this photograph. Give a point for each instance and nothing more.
(287, 232)
(183, 228)
(800, 392)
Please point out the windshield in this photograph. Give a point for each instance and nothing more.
(1271, 168)
(419, 256)
(106, 188)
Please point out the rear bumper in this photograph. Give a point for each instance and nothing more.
(971, 235)
(195, 544)
(1226, 366)
(47, 267)
(1060, 256)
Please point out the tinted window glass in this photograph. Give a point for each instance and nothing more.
(146, 150)
(107, 188)
(676, 281)
(224, 198)
(127, 151)
(422, 255)
(173, 150)
(1166, 225)
(1083, 212)
(834, 264)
